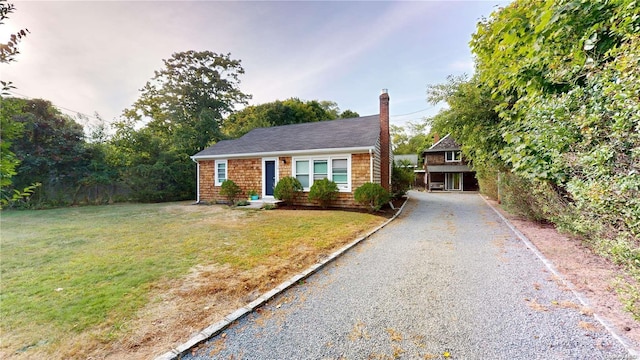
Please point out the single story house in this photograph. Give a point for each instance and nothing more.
(446, 168)
(350, 152)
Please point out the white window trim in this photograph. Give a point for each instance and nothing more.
(328, 158)
(215, 171)
(454, 156)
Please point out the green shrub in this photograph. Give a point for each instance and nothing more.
(323, 191)
(243, 203)
(372, 195)
(488, 183)
(287, 189)
(230, 190)
(402, 178)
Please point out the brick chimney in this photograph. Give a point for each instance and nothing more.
(436, 138)
(385, 144)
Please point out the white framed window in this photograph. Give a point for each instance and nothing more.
(335, 167)
(453, 156)
(320, 169)
(221, 172)
(301, 172)
(340, 172)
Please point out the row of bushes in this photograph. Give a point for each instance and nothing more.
(325, 191)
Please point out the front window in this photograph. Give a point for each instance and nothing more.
(308, 170)
(220, 172)
(302, 172)
(339, 170)
(453, 156)
(320, 170)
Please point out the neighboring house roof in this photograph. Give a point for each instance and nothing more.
(343, 134)
(412, 158)
(447, 143)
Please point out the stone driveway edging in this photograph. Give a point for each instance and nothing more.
(222, 325)
(549, 265)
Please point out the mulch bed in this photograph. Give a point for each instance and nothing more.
(386, 211)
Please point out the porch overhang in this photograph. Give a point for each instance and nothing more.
(448, 168)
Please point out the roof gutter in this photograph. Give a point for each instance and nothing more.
(371, 165)
(197, 180)
(362, 149)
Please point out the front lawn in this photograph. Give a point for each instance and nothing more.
(135, 278)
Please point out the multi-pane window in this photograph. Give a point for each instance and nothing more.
(320, 170)
(220, 172)
(302, 172)
(339, 172)
(453, 156)
(308, 170)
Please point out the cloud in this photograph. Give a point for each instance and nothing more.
(95, 56)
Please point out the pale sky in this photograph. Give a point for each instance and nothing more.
(94, 56)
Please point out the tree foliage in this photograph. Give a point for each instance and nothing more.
(410, 139)
(277, 113)
(186, 101)
(181, 110)
(470, 119)
(51, 150)
(348, 114)
(9, 131)
(9, 50)
(402, 177)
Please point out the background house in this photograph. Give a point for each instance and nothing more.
(350, 152)
(446, 168)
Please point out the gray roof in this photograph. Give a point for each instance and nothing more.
(448, 168)
(358, 132)
(447, 143)
(413, 158)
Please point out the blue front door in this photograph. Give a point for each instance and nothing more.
(269, 177)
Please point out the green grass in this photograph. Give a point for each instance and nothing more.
(72, 270)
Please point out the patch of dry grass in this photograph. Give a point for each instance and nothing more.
(133, 280)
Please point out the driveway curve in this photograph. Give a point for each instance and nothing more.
(447, 279)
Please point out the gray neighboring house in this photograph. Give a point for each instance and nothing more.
(446, 168)
(349, 152)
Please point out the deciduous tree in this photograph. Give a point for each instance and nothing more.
(51, 150)
(276, 113)
(181, 110)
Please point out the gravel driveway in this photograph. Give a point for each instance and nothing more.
(447, 279)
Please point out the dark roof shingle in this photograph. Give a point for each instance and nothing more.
(334, 134)
(447, 143)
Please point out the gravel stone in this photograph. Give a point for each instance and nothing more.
(446, 279)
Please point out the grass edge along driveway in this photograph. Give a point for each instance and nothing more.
(90, 281)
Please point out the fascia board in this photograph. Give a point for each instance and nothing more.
(353, 150)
